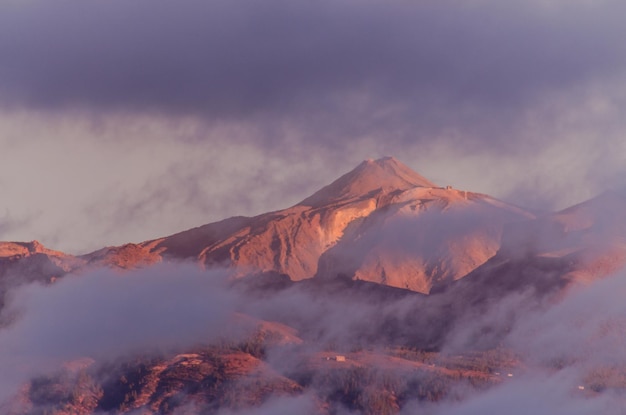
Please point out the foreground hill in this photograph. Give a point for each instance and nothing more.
(238, 377)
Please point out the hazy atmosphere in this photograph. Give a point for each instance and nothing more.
(316, 207)
(124, 121)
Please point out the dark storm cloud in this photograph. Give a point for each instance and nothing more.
(320, 85)
(353, 65)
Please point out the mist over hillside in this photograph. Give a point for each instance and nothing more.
(382, 293)
(329, 207)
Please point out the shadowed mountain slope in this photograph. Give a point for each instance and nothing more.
(543, 257)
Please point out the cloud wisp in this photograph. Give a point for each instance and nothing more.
(106, 316)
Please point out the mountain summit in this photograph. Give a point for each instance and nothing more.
(371, 176)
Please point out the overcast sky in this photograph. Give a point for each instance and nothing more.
(128, 120)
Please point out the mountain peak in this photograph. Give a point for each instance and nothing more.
(385, 174)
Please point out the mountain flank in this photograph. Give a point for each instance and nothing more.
(380, 222)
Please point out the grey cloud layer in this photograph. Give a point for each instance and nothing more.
(439, 63)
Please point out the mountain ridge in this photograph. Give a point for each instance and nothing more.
(381, 222)
(373, 197)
